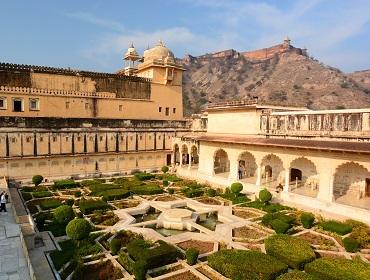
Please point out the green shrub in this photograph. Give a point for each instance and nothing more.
(42, 194)
(148, 189)
(126, 262)
(188, 192)
(64, 214)
(351, 244)
(78, 229)
(78, 194)
(69, 202)
(26, 196)
(307, 219)
(211, 192)
(65, 184)
(171, 191)
(246, 265)
(50, 204)
(140, 268)
(360, 232)
(165, 169)
(114, 194)
(280, 226)
(89, 205)
(270, 208)
(115, 246)
(165, 183)
(60, 258)
(236, 188)
(293, 251)
(192, 256)
(37, 179)
(265, 196)
(155, 256)
(34, 189)
(143, 176)
(337, 227)
(338, 269)
(296, 275)
(171, 178)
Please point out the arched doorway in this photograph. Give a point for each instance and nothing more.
(295, 175)
(247, 167)
(272, 170)
(185, 155)
(221, 163)
(304, 178)
(351, 185)
(194, 157)
(176, 154)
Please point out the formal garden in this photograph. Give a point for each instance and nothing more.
(160, 226)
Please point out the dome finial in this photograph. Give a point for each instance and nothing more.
(160, 43)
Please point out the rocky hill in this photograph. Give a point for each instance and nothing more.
(281, 74)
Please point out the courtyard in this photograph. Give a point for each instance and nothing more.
(148, 226)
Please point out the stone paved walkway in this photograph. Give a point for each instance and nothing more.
(13, 265)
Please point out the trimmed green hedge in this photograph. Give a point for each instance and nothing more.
(265, 196)
(154, 256)
(280, 222)
(307, 219)
(351, 244)
(26, 196)
(246, 265)
(338, 269)
(143, 176)
(270, 207)
(126, 262)
(65, 184)
(293, 251)
(148, 189)
(336, 227)
(50, 204)
(89, 205)
(296, 275)
(115, 194)
(42, 194)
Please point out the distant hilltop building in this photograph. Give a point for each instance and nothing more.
(255, 55)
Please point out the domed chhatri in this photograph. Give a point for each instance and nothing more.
(158, 52)
(131, 53)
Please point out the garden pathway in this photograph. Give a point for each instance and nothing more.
(13, 264)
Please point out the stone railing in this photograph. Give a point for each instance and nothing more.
(233, 103)
(36, 91)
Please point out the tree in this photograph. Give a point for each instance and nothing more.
(37, 180)
(165, 169)
(236, 188)
(64, 214)
(78, 229)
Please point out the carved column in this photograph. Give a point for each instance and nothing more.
(259, 175)
(286, 185)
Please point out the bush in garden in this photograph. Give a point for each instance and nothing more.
(65, 184)
(64, 214)
(171, 191)
(87, 206)
(50, 204)
(78, 229)
(37, 179)
(335, 269)
(69, 202)
(165, 183)
(337, 227)
(265, 196)
(211, 192)
(291, 250)
(192, 256)
(115, 246)
(165, 169)
(143, 176)
(42, 194)
(236, 188)
(155, 256)
(307, 219)
(361, 233)
(127, 262)
(140, 268)
(246, 265)
(79, 215)
(280, 226)
(26, 196)
(148, 189)
(78, 194)
(351, 244)
(296, 275)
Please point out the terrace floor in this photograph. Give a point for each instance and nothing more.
(13, 265)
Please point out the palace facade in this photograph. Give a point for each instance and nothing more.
(319, 159)
(63, 122)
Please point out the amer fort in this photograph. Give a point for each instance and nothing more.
(106, 179)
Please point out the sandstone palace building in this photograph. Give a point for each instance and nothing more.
(62, 123)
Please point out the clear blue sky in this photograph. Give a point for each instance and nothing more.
(93, 34)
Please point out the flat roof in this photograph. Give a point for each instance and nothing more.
(339, 146)
(314, 112)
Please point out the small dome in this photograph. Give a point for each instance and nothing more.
(157, 52)
(131, 52)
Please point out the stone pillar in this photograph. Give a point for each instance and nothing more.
(286, 185)
(259, 175)
(189, 165)
(180, 159)
(326, 186)
(233, 175)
